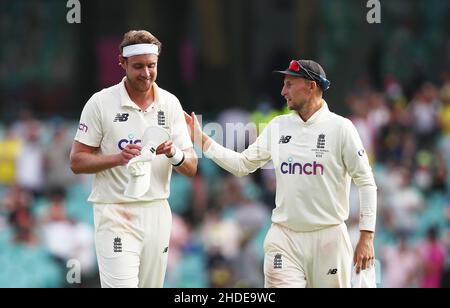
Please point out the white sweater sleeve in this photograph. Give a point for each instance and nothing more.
(357, 164)
(241, 164)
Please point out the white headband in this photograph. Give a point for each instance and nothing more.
(140, 49)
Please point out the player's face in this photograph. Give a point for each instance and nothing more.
(297, 92)
(141, 71)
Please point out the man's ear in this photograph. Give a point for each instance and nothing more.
(122, 61)
(313, 86)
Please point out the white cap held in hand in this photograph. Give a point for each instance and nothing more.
(140, 167)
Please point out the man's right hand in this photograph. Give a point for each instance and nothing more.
(195, 131)
(131, 151)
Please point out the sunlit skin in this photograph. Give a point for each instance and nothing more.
(305, 97)
(297, 92)
(301, 95)
(141, 72)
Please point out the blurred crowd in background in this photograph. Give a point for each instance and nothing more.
(395, 89)
(219, 221)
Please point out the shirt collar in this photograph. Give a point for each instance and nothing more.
(126, 100)
(317, 116)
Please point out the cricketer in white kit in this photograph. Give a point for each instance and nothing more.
(132, 230)
(316, 153)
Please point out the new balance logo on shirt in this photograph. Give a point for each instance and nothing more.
(121, 117)
(285, 139)
(332, 271)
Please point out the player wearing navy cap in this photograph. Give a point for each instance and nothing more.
(316, 153)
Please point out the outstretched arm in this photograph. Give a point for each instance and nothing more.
(239, 164)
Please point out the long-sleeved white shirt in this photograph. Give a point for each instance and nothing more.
(314, 163)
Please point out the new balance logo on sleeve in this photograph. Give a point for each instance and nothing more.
(285, 139)
(121, 117)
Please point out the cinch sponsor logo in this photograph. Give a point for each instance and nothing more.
(290, 167)
(83, 127)
(124, 142)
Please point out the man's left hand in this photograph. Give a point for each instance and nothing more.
(364, 253)
(166, 148)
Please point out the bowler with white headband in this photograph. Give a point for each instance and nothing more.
(134, 134)
(140, 49)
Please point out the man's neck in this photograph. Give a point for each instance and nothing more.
(311, 108)
(142, 99)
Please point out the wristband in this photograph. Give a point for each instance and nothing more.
(178, 158)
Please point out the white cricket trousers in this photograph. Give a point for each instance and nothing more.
(132, 243)
(317, 259)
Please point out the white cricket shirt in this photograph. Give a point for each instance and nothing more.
(314, 163)
(111, 120)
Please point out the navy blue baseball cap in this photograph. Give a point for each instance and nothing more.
(308, 69)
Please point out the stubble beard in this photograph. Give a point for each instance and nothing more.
(297, 106)
(137, 84)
